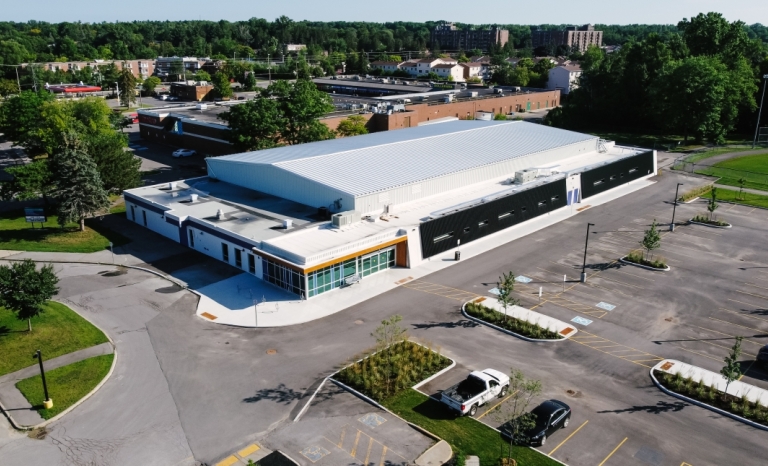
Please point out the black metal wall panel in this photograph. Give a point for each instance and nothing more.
(615, 174)
(440, 234)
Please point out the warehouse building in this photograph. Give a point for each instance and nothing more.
(320, 216)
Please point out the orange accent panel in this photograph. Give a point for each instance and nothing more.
(355, 254)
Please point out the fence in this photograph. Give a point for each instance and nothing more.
(727, 176)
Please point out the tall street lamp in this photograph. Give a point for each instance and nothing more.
(48, 402)
(584, 265)
(117, 91)
(674, 207)
(757, 125)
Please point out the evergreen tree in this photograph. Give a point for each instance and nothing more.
(79, 192)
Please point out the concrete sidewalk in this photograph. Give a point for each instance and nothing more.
(231, 301)
(14, 402)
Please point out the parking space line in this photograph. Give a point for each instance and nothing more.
(354, 447)
(726, 334)
(756, 286)
(742, 314)
(753, 294)
(343, 433)
(496, 405)
(567, 438)
(741, 302)
(737, 325)
(614, 451)
(383, 455)
(368, 453)
(745, 372)
(719, 346)
(696, 352)
(636, 276)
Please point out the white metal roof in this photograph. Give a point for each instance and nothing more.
(377, 162)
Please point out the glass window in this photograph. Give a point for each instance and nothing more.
(225, 252)
(251, 264)
(238, 258)
(374, 262)
(349, 268)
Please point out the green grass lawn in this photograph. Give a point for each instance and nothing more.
(752, 168)
(755, 200)
(57, 331)
(464, 434)
(66, 385)
(693, 158)
(17, 234)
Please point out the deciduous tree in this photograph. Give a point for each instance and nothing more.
(732, 370)
(149, 85)
(513, 414)
(652, 240)
(127, 82)
(352, 126)
(505, 287)
(221, 85)
(24, 289)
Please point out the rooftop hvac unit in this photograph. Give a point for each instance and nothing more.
(345, 218)
(524, 176)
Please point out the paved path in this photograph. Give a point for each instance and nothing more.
(20, 409)
(746, 190)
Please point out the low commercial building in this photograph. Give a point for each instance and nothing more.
(195, 91)
(317, 217)
(389, 66)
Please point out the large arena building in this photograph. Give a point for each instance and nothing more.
(315, 217)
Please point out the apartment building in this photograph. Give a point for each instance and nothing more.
(578, 37)
(141, 69)
(449, 37)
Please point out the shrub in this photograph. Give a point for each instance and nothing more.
(521, 327)
(695, 192)
(392, 369)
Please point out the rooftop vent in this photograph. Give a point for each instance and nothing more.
(193, 197)
(219, 214)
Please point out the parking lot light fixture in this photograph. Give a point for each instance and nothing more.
(584, 265)
(674, 207)
(47, 403)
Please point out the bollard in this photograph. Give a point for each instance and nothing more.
(457, 256)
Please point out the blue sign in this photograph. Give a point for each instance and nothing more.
(581, 320)
(34, 215)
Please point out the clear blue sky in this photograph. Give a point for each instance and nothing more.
(503, 11)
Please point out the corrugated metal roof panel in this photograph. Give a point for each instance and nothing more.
(380, 161)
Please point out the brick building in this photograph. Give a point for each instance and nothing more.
(580, 38)
(141, 69)
(450, 38)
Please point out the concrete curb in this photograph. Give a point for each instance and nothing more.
(701, 404)
(508, 332)
(711, 226)
(644, 266)
(306, 406)
(81, 400)
(435, 375)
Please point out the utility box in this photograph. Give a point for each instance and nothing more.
(525, 176)
(345, 218)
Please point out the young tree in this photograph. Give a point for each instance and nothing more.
(652, 240)
(250, 81)
(24, 289)
(221, 86)
(80, 192)
(149, 85)
(506, 286)
(732, 370)
(712, 205)
(352, 126)
(742, 182)
(387, 334)
(513, 414)
(127, 82)
(203, 75)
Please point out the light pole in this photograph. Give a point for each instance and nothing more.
(674, 207)
(112, 251)
(48, 402)
(117, 90)
(757, 125)
(584, 265)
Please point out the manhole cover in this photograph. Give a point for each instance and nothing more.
(573, 393)
(359, 321)
(37, 434)
(271, 351)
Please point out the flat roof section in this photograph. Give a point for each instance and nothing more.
(381, 161)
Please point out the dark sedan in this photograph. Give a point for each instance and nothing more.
(762, 356)
(549, 417)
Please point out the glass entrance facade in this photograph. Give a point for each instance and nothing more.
(333, 276)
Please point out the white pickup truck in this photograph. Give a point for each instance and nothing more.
(477, 389)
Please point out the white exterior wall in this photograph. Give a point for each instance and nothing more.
(155, 221)
(561, 78)
(376, 202)
(280, 183)
(210, 245)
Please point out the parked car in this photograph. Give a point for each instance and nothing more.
(549, 417)
(172, 98)
(183, 153)
(477, 389)
(762, 356)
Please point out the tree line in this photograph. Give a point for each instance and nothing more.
(701, 84)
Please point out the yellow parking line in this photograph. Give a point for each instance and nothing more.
(354, 447)
(742, 326)
(383, 455)
(250, 449)
(742, 314)
(696, 352)
(752, 294)
(614, 451)
(343, 433)
(368, 453)
(567, 438)
(228, 461)
(495, 406)
(609, 346)
(748, 368)
(740, 302)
